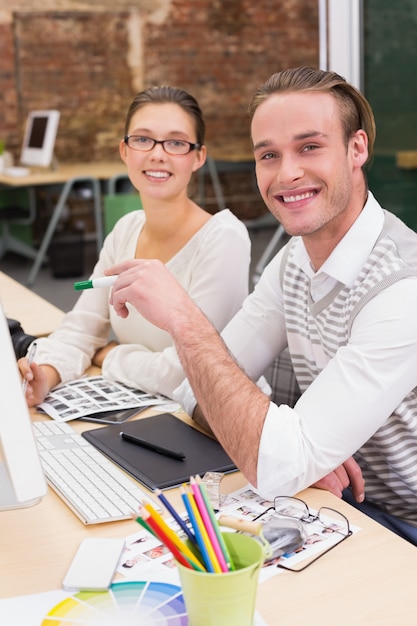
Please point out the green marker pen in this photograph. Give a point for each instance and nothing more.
(104, 281)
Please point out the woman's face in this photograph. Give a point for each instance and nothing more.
(156, 174)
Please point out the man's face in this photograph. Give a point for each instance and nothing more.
(309, 179)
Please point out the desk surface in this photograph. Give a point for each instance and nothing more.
(65, 172)
(37, 316)
(368, 580)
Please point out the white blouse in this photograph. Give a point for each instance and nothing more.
(213, 267)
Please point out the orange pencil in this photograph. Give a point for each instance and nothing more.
(147, 518)
(209, 522)
(223, 547)
(172, 535)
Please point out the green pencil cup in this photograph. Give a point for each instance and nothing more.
(226, 599)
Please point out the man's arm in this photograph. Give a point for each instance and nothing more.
(233, 405)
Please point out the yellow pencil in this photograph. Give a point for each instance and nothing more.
(204, 535)
(172, 535)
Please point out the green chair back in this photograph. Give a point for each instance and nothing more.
(117, 205)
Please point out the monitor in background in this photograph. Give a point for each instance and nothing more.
(39, 139)
(22, 481)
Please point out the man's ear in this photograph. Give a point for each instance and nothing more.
(359, 147)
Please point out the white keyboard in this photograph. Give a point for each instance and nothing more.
(91, 485)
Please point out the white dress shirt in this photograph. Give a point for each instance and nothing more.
(331, 420)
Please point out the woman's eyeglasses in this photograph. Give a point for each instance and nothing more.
(170, 146)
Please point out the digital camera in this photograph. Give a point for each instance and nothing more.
(20, 340)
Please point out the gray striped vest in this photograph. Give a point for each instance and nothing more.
(316, 330)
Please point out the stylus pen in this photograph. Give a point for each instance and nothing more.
(103, 281)
(180, 456)
(31, 356)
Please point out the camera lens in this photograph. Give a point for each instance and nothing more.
(20, 340)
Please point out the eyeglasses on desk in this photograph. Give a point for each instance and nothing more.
(330, 520)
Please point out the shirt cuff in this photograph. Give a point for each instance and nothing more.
(184, 395)
(280, 463)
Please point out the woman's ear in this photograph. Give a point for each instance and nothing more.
(123, 150)
(201, 156)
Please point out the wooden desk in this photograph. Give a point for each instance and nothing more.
(369, 580)
(37, 316)
(407, 159)
(101, 170)
(67, 175)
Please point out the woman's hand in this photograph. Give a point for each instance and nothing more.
(40, 379)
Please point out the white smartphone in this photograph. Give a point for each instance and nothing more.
(94, 564)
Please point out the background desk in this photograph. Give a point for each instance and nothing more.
(69, 176)
(37, 316)
(407, 159)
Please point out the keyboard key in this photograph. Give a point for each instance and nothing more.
(92, 486)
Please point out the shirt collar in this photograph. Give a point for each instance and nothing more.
(342, 265)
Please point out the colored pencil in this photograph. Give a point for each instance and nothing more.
(228, 559)
(181, 558)
(172, 535)
(204, 553)
(203, 540)
(199, 500)
(176, 516)
(142, 522)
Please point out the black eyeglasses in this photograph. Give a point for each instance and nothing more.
(170, 146)
(331, 522)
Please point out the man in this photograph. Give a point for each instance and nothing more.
(341, 295)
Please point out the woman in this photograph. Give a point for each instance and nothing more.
(208, 254)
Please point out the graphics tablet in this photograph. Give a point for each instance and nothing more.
(157, 471)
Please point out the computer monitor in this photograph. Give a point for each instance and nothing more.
(39, 138)
(22, 482)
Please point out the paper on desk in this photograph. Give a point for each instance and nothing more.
(246, 503)
(95, 394)
(34, 610)
(143, 553)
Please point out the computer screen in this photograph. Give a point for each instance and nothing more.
(22, 481)
(39, 138)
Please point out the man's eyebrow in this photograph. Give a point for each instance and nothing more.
(309, 134)
(262, 144)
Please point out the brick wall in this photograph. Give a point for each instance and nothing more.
(88, 59)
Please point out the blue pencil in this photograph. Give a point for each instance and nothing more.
(198, 536)
(176, 516)
(214, 521)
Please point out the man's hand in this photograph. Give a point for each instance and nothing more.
(347, 474)
(151, 288)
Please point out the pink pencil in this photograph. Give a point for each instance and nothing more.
(208, 524)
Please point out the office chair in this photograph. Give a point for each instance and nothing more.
(281, 377)
(118, 204)
(278, 239)
(17, 207)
